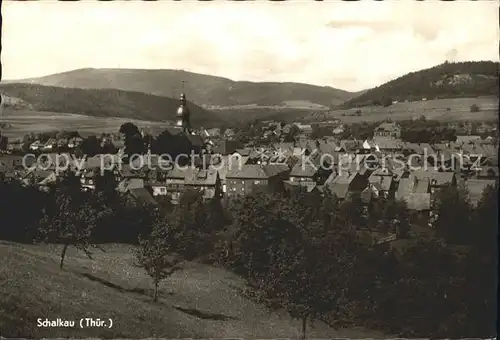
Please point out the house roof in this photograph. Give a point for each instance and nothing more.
(388, 143)
(441, 178)
(226, 147)
(340, 185)
(475, 187)
(142, 195)
(418, 202)
(366, 195)
(130, 183)
(244, 151)
(415, 193)
(304, 170)
(387, 126)
(381, 182)
(466, 139)
(256, 171)
(199, 177)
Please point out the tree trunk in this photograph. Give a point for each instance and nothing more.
(63, 254)
(155, 295)
(304, 326)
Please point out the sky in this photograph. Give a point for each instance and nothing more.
(347, 45)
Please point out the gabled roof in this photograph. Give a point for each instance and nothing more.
(199, 177)
(226, 147)
(341, 184)
(130, 183)
(440, 178)
(387, 126)
(304, 170)
(255, 171)
(418, 202)
(415, 193)
(384, 182)
(143, 196)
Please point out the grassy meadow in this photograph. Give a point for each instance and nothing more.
(451, 109)
(24, 122)
(199, 301)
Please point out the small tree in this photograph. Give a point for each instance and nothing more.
(474, 108)
(68, 221)
(156, 252)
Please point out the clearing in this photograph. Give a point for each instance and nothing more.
(200, 301)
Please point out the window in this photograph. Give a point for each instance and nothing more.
(256, 182)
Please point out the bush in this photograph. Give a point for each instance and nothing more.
(474, 108)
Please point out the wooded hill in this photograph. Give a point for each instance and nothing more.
(104, 103)
(448, 80)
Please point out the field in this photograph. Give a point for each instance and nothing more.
(441, 109)
(199, 301)
(24, 122)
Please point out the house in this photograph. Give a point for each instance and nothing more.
(35, 145)
(214, 132)
(310, 173)
(467, 139)
(344, 184)
(74, 142)
(14, 162)
(244, 180)
(387, 129)
(381, 181)
(437, 180)
(475, 188)
(174, 181)
(15, 145)
(135, 192)
(42, 178)
(486, 172)
(305, 129)
(227, 147)
(50, 145)
(416, 193)
(206, 181)
(156, 181)
(388, 144)
(229, 134)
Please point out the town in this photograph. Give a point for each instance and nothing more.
(383, 159)
(250, 170)
(394, 182)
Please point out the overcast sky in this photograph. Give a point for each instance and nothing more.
(351, 46)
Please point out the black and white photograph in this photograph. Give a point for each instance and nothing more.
(249, 169)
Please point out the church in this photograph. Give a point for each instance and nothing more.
(181, 138)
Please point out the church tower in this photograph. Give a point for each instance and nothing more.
(183, 115)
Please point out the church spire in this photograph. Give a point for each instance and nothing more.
(183, 114)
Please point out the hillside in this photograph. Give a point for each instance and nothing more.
(448, 80)
(103, 103)
(205, 90)
(198, 302)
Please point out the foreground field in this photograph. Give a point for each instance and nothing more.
(200, 301)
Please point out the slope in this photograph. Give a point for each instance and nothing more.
(205, 90)
(104, 103)
(448, 80)
(198, 302)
